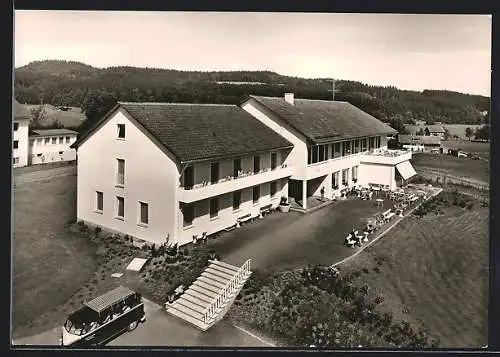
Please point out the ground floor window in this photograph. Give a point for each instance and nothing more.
(345, 176)
(273, 189)
(377, 142)
(143, 213)
(335, 179)
(354, 173)
(236, 200)
(120, 210)
(15, 160)
(188, 214)
(99, 197)
(256, 194)
(214, 207)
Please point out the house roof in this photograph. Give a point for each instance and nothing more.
(52, 132)
(323, 121)
(436, 128)
(20, 112)
(199, 132)
(419, 139)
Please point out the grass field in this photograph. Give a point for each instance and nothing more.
(468, 146)
(49, 264)
(451, 165)
(434, 270)
(69, 119)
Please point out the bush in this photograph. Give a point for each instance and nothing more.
(376, 270)
(97, 230)
(470, 205)
(365, 270)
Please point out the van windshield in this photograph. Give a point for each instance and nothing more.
(81, 321)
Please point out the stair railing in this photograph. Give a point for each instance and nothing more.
(227, 291)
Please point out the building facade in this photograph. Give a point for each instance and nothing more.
(419, 143)
(20, 129)
(51, 145)
(178, 171)
(335, 145)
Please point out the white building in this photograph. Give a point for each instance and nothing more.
(51, 145)
(154, 171)
(20, 130)
(335, 145)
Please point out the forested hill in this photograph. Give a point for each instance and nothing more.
(95, 90)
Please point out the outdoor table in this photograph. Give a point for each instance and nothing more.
(376, 190)
(380, 202)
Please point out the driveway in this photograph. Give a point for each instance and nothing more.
(285, 241)
(161, 329)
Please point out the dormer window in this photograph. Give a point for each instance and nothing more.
(121, 131)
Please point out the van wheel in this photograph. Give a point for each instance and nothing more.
(132, 326)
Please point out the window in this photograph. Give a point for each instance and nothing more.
(15, 144)
(337, 150)
(121, 131)
(354, 173)
(16, 126)
(39, 141)
(214, 207)
(315, 154)
(120, 209)
(273, 189)
(371, 143)
(120, 177)
(345, 176)
(189, 177)
(321, 153)
(32, 142)
(214, 172)
(54, 141)
(346, 148)
(188, 214)
(256, 194)
(61, 139)
(335, 179)
(236, 167)
(356, 146)
(377, 142)
(47, 141)
(274, 158)
(99, 201)
(15, 160)
(325, 149)
(309, 155)
(363, 145)
(39, 155)
(67, 139)
(143, 213)
(236, 200)
(256, 164)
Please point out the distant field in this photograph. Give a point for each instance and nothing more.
(468, 146)
(451, 165)
(434, 270)
(69, 119)
(454, 129)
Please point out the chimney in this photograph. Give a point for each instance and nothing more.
(289, 98)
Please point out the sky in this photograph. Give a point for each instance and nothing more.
(415, 52)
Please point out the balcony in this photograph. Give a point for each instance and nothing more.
(386, 157)
(229, 184)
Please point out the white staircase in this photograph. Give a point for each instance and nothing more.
(208, 299)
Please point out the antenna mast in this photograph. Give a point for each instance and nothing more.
(333, 90)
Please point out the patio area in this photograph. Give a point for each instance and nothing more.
(285, 241)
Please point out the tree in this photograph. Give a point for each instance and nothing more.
(483, 133)
(468, 133)
(446, 134)
(420, 132)
(96, 105)
(427, 132)
(37, 116)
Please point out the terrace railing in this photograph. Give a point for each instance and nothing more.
(227, 292)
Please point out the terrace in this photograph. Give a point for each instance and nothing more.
(388, 157)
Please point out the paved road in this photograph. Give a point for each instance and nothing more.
(43, 174)
(161, 329)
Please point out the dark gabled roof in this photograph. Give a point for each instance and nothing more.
(52, 132)
(419, 139)
(199, 132)
(323, 121)
(20, 112)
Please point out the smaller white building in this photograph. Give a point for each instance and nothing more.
(51, 145)
(20, 130)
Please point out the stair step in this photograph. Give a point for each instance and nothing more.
(187, 310)
(196, 300)
(211, 282)
(212, 288)
(222, 274)
(198, 323)
(225, 265)
(202, 297)
(201, 290)
(215, 277)
(195, 307)
(222, 269)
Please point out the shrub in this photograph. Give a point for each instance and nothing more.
(365, 270)
(376, 270)
(97, 230)
(470, 205)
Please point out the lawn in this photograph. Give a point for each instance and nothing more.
(434, 270)
(468, 146)
(460, 167)
(49, 264)
(69, 119)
